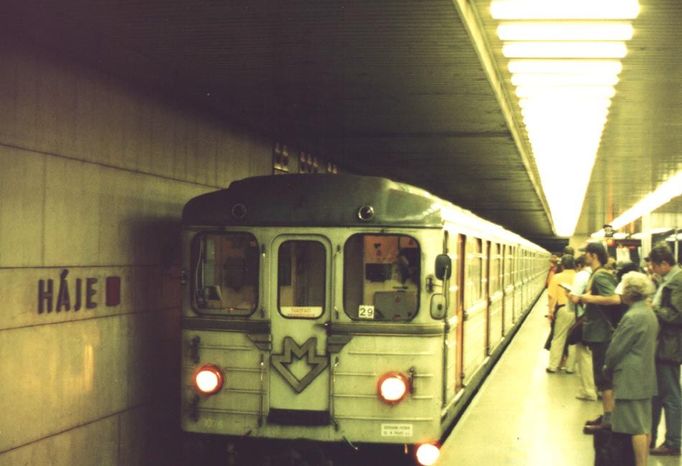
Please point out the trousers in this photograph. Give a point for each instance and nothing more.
(563, 319)
(669, 399)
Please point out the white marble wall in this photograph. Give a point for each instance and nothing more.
(93, 177)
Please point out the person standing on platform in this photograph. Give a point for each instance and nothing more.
(553, 266)
(667, 305)
(598, 329)
(561, 314)
(583, 355)
(629, 362)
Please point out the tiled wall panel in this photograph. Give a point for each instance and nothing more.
(93, 177)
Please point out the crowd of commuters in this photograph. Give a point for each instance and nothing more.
(620, 328)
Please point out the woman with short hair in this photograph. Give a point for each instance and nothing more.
(629, 362)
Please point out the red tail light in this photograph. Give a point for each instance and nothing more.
(208, 380)
(393, 387)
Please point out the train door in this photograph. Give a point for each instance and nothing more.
(300, 307)
(508, 287)
(486, 296)
(475, 308)
(459, 309)
(452, 346)
(495, 296)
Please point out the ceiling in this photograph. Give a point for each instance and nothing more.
(399, 88)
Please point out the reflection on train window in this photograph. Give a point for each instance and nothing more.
(301, 279)
(225, 273)
(381, 277)
(474, 272)
(494, 282)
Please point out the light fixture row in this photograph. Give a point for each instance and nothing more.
(664, 193)
(565, 61)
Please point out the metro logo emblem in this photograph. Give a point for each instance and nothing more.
(290, 349)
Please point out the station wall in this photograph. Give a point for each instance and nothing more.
(93, 177)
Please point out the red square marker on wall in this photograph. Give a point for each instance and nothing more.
(113, 291)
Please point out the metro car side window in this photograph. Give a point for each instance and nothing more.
(225, 273)
(381, 277)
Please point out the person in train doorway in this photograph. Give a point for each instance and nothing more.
(629, 362)
(667, 305)
(598, 327)
(562, 315)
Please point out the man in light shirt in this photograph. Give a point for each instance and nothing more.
(583, 356)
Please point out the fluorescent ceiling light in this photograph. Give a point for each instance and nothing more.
(564, 50)
(665, 192)
(565, 113)
(659, 230)
(576, 31)
(576, 9)
(555, 79)
(567, 91)
(606, 67)
(564, 60)
(563, 103)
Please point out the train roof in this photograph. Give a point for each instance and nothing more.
(334, 200)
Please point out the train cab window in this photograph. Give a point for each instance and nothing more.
(381, 277)
(225, 273)
(301, 279)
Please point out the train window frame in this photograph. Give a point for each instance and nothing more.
(325, 250)
(370, 316)
(194, 274)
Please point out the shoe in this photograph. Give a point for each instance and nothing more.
(586, 398)
(663, 450)
(569, 371)
(591, 429)
(594, 422)
(550, 371)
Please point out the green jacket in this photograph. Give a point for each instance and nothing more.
(669, 314)
(630, 356)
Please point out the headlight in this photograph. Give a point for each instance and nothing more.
(393, 387)
(427, 454)
(208, 380)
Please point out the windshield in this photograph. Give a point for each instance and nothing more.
(381, 277)
(225, 271)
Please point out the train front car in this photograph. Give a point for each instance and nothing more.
(314, 309)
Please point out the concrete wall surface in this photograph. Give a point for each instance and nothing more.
(93, 177)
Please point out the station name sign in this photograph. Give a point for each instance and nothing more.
(76, 294)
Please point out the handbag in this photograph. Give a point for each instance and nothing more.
(550, 337)
(575, 332)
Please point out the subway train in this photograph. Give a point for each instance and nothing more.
(344, 311)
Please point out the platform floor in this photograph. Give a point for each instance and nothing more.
(523, 416)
